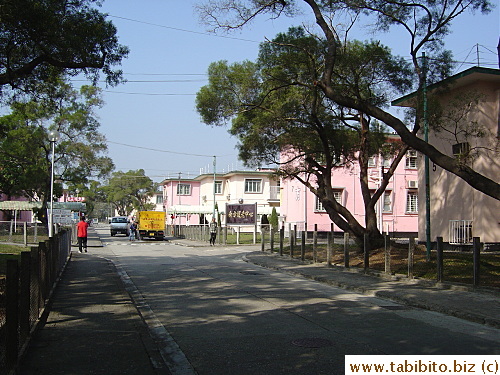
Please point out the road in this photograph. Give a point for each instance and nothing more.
(221, 315)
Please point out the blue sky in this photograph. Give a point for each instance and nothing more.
(169, 55)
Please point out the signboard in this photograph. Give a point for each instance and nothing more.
(75, 199)
(241, 213)
(61, 216)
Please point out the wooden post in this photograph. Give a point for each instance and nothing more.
(439, 241)
(292, 242)
(282, 239)
(315, 243)
(25, 233)
(262, 238)
(271, 239)
(303, 246)
(25, 295)
(346, 250)
(476, 243)
(411, 252)
(366, 251)
(329, 248)
(225, 235)
(387, 253)
(12, 313)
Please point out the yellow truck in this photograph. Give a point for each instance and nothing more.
(151, 224)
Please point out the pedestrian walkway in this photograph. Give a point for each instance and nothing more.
(92, 327)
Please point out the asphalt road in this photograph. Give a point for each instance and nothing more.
(216, 314)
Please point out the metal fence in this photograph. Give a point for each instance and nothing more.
(22, 232)
(25, 290)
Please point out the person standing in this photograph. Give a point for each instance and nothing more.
(133, 228)
(81, 230)
(213, 231)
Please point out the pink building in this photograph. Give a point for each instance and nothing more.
(397, 210)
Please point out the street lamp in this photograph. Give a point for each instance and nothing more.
(53, 138)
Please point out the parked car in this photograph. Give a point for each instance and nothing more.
(119, 224)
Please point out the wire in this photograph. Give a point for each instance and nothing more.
(169, 152)
(184, 30)
(145, 93)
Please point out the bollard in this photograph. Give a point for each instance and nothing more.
(315, 243)
(282, 240)
(262, 238)
(346, 250)
(271, 239)
(439, 241)
(292, 242)
(329, 249)
(476, 259)
(303, 246)
(366, 251)
(411, 252)
(387, 253)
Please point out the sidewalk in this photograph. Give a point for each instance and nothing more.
(92, 325)
(480, 305)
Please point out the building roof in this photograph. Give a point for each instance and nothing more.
(29, 206)
(464, 78)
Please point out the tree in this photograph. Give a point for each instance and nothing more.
(426, 23)
(130, 190)
(274, 219)
(40, 40)
(25, 150)
(275, 114)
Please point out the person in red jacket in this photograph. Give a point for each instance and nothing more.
(81, 228)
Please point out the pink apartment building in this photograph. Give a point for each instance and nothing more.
(397, 210)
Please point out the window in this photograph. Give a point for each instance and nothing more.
(159, 199)
(337, 194)
(372, 162)
(387, 201)
(461, 149)
(412, 202)
(253, 185)
(411, 159)
(183, 189)
(218, 187)
(386, 161)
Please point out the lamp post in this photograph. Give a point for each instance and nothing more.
(53, 138)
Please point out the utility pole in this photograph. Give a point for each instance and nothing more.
(215, 162)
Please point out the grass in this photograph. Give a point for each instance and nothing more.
(9, 252)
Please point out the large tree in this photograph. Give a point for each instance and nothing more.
(43, 39)
(129, 190)
(25, 149)
(280, 117)
(426, 22)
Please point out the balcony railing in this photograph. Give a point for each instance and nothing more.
(460, 232)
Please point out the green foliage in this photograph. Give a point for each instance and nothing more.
(41, 40)
(25, 150)
(274, 218)
(130, 190)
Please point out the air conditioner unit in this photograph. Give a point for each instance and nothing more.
(412, 184)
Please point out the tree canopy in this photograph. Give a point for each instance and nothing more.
(40, 40)
(129, 190)
(25, 150)
(426, 22)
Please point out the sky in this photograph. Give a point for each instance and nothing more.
(151, 122)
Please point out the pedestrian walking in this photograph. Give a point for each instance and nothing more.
(213, 231)
(81, 230)
(132, 230)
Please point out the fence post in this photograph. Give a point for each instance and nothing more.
(366, 251)
(411, 252)
(303, 246)
(346, 250)
(238, 235)
(35, 277)
(439, 241)
(292, 241)
(12, 313)
(329, 236)
(225, 235)
(271, 238)
(262, 238)
(387, 253)
(25, 233)
(315, 243)
(25, 294)
(476, 259)
(282, 239)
